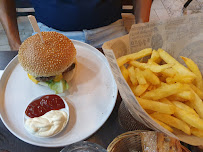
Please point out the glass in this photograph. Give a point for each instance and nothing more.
(83, 146)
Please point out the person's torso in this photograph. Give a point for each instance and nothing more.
(75, 15)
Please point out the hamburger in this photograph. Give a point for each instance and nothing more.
(50, 63)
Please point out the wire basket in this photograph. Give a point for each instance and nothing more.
(127, 121)
(131, 142)
(126, 142)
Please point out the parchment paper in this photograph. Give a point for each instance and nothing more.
(182, 36)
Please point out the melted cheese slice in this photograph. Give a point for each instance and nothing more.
(32, 78)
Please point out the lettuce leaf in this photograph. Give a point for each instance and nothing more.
(58, 87)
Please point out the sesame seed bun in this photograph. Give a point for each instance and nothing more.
(46, 59)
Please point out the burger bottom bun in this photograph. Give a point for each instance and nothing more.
(68, 76)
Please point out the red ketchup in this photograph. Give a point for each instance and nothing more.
(44, 104)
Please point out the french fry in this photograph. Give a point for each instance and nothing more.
(198, 105)
(185, 107)
(124, 72)
(156, 106)
(129, 82)
(124, 59)
(151, 77)
(133, 88)
(179, 78)
(197, 90)
(175, 98)
(165, 100)
(186, 95)
(141, 54)
(140, 89)
(176, 65)
(154, 68)
(189, 118)
(197, 132)
(149, 111)
(132, 75)
(139, 76)
(194, 68)
(164, 91)
(163, 124)
(151, 87)
(190, 104)
(155, 57)
(170, 72)
(172, 121)
(152, 62)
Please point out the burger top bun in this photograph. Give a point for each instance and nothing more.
(49, 58)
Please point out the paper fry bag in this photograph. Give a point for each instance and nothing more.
(181, 36)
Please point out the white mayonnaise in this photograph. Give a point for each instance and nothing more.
(48, 124)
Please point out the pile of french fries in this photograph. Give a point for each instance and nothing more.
(168, 91)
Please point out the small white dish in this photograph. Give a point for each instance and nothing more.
(39, 135)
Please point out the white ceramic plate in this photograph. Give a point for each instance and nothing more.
(91, 98)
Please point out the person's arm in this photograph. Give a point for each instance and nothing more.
(9, 21)
(142, 10)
